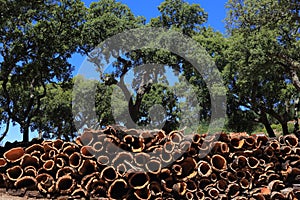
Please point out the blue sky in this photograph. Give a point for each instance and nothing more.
(147, 8)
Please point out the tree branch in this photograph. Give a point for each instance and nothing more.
(292, 67)
(6, 130)
(8, 100)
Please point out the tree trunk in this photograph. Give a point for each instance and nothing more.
(40, 134)
(6, 130)
(285, 129)
(25, 131)
(284, 125)
(266, 123)
(134, 107)
(269, 130)
(282, 119)
(291, 67)
(295, 79)
(296, 124)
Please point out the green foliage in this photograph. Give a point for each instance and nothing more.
(106, 18)
(181, 16)
(30, 60)
(259, 61)
(241, 121)
(259, 58)
(215, 44)
(36, 41)
(278, 128)
(55, 118)
(147, 89)
(168, 112)
(270, 29)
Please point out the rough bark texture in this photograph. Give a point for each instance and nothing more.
(233, 166)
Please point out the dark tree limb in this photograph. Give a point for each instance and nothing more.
(6, 130)
(291, 67)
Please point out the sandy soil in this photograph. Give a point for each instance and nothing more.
(6, 196)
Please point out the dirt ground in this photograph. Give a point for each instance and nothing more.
(34, 195)
(5, 196)
(30, 195)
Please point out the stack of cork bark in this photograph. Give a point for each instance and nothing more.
(119, 163)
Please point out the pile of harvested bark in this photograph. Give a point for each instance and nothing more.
(132, 164)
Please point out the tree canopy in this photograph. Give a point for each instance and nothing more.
(258, 59)
(36, 39)
(263, 59)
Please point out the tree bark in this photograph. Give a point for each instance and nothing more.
(266, 123)
(282, 119)
(6, 130)
(134, 107)
(296, 125)
(285, 129)
(295, 79)
(291, 67)
(25, 131)
(40, 134)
